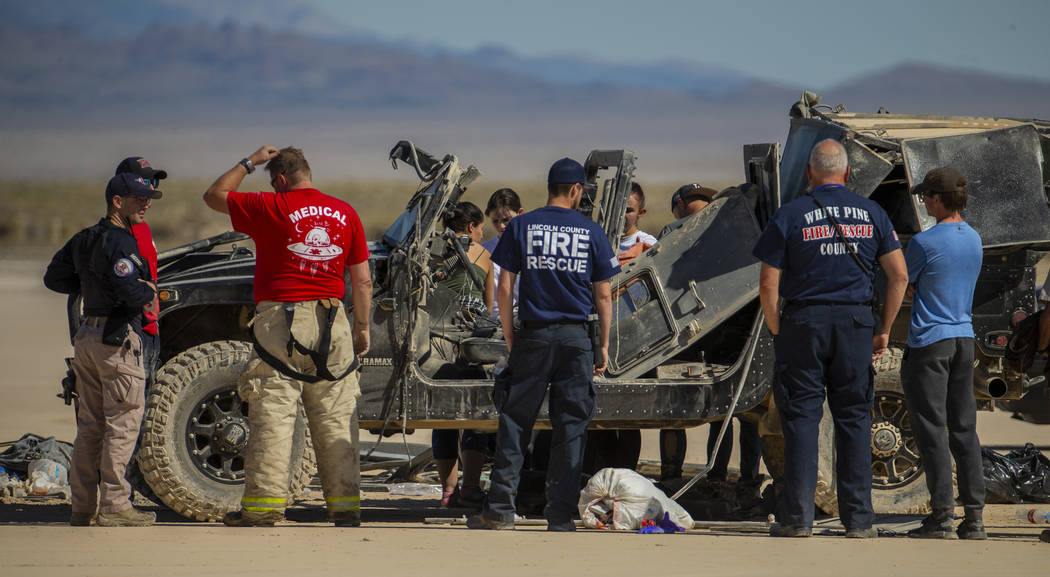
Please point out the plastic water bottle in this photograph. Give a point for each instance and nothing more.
(416, 490)
(46, 477)
(1037, 516)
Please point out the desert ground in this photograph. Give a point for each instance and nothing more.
(35, 539)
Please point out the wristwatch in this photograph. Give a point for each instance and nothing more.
(247, 164)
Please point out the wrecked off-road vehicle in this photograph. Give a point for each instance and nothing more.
(1007, 164)
(688, 344)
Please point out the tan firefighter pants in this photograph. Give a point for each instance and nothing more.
(111, 383)
(331, 411)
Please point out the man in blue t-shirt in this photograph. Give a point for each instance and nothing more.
(937, 371)
(817, 254)
(564, 261)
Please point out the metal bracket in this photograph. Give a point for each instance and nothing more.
(696, 295)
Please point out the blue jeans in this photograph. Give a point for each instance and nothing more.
(825, 348)
(558, 355)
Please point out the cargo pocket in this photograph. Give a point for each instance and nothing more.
(128, 387)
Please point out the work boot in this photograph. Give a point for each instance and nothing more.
(781, 530)
(345, 518)
(130, 517)
(934, 528)
(867, 533)
(482, 521)
(248, 519)
(561, 526)
(970, 529)
(81, 519)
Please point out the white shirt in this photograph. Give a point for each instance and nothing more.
(490, 245)
(626, 242)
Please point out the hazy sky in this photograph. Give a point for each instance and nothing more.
(803, 41)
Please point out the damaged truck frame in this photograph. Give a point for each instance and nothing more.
(687, 342)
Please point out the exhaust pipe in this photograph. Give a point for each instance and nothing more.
(987, 385)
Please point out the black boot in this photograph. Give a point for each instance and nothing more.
(972, 526)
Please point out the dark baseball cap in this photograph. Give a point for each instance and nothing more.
(692, 191)
(567, 171)
(140, 166)
(128, 184)
(944, 179)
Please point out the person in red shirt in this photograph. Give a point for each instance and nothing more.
(304, 346)
(148, 249)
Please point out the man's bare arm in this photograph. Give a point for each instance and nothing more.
(361, 284)
(215, 196)
(603, 302)
(769, 295)
(896, 269)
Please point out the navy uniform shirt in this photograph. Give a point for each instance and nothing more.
(558, 253)
(800, 241)
(103, 264)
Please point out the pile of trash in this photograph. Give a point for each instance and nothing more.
(1020, 476)
(624, 500)
(35, 466)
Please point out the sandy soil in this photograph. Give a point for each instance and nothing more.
(35, 540)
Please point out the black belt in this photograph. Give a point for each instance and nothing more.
(526, 324)
(817, 302)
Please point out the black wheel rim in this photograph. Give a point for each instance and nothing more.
(895, 459)
(217, 434)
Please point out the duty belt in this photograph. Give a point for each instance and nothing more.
(525, 324)
(815, 302)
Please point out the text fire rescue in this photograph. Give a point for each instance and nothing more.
(826, 231)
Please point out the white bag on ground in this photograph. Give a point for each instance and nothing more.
(621, 499)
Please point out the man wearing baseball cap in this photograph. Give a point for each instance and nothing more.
(565, 262)
(148, 249)
(102, 263)
(937, 369)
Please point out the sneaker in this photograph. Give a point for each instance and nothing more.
(127, 518)
(970, 529)
(345, 518)
(469, 498)
(934, 529)
(780, 530)
(481, 521)
(82, 519)
(868, 533)
(246, 519)
(562, 527)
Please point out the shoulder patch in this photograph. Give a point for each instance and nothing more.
(123, 268)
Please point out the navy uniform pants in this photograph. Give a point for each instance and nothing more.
(825, 349)
(559, 355)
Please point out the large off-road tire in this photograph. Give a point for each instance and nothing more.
(898, 478)
(196, 432)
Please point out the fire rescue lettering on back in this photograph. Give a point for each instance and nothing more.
(317, 211)
(563, 248)
(825, 231)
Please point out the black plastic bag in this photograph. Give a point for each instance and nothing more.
(1020, 476)
(31, 447)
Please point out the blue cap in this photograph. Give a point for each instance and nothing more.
(567, 171)
(129, 184)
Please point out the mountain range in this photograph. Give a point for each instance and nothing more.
(177, 85)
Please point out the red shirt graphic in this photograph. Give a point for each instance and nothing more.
(148, 252)
(304, 241)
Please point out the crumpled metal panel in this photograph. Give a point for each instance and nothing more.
(1007, 204)
(696, 277)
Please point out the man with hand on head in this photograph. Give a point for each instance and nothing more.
(102, 263)
(304, 345)
(565, 262)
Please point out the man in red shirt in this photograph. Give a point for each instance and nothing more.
(148, 250)
(304, 346)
